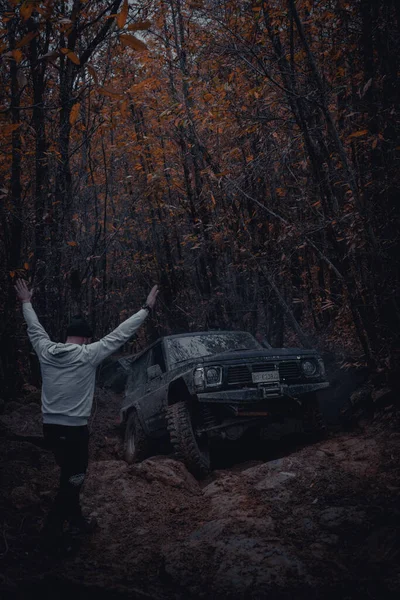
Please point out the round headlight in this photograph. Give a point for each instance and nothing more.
(309, 368)
(213, 375)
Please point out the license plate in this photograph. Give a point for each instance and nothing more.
(265, 376)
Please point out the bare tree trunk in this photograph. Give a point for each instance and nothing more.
(13, 236)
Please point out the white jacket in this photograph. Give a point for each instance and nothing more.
(69, 370)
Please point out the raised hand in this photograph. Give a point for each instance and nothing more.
(151, 298)
(22, 291)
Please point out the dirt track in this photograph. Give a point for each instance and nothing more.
(315, 521)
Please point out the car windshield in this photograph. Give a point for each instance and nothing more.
(195, 346)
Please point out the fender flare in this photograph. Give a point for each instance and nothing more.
(125, 412)
(180, 390)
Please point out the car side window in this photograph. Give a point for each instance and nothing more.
(157, 357)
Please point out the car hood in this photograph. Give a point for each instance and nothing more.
(268, 354)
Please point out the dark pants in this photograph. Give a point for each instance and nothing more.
(70, 446)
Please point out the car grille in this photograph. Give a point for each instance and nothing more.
(239, 375)
(261, 367)
(289, 370)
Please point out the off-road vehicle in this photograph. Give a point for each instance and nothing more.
(198, 386)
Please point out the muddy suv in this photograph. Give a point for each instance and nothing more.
(217, 384)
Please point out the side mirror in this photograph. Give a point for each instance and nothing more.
(153, 372)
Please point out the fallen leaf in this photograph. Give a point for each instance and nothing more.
(17, 55)
(140, 26)
(26, 9)
(358, 133)
(93, 73)
(110, 92)
(71, 55)
(73, 117)
(123, 15)
(10, 128)
(49, 55)
(132, 42)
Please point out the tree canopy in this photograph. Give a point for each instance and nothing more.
(242, 154)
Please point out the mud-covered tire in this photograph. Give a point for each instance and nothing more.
(194, 452)
(313, 421)
(137, 445)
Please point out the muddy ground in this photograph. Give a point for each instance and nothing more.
(285, 521)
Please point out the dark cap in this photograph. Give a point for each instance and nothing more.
(79, 327)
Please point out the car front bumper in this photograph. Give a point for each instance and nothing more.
(250, 395)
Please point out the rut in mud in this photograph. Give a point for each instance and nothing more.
(292, 522)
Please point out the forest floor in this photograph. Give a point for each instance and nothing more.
(298, 521)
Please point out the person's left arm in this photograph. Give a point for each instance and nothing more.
(36, 333)
(109, 344)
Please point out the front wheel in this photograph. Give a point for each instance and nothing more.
(136, 443)
(192, 447)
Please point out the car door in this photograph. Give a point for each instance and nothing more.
(136, 382)
(153, 402)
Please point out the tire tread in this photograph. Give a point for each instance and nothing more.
(183, 439)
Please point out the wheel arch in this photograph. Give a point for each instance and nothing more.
(178, 390)
(126, 412)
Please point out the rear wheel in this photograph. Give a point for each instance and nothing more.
(313, 421)
(137, 445)
(192, 447)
